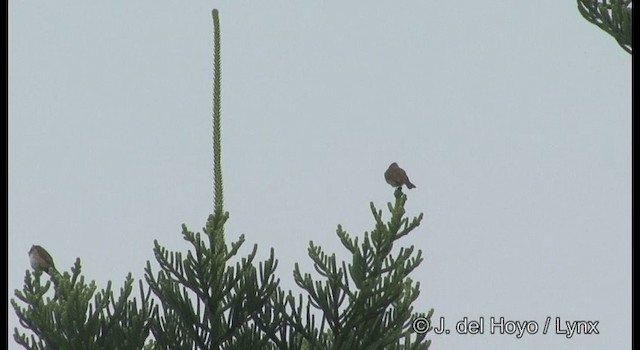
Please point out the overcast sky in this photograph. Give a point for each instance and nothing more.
(512, 118)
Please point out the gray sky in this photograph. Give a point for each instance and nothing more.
(512, 118)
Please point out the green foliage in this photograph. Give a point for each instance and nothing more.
(210, 299)
(365, 304)
(613, 16)
(209, 303)
(71, 321)
(217, 136)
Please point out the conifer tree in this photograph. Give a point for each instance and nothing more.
(210, 299)
(207, 301)
(365, 304)
(72, 320)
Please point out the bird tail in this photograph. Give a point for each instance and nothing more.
(410, 185)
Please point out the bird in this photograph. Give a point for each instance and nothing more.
(396, 176)
(41, 260)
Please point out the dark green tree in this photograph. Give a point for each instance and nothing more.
(612, 16)
(209, 298)
(79, 318)
(365, 304)
(207, 301)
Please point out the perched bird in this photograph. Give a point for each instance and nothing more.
(41, 260)
(396, 176)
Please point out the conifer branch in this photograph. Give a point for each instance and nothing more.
(364, 304)
(72, 321)
(612, 16)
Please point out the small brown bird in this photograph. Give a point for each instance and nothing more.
(396, 176)
(41, 260)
